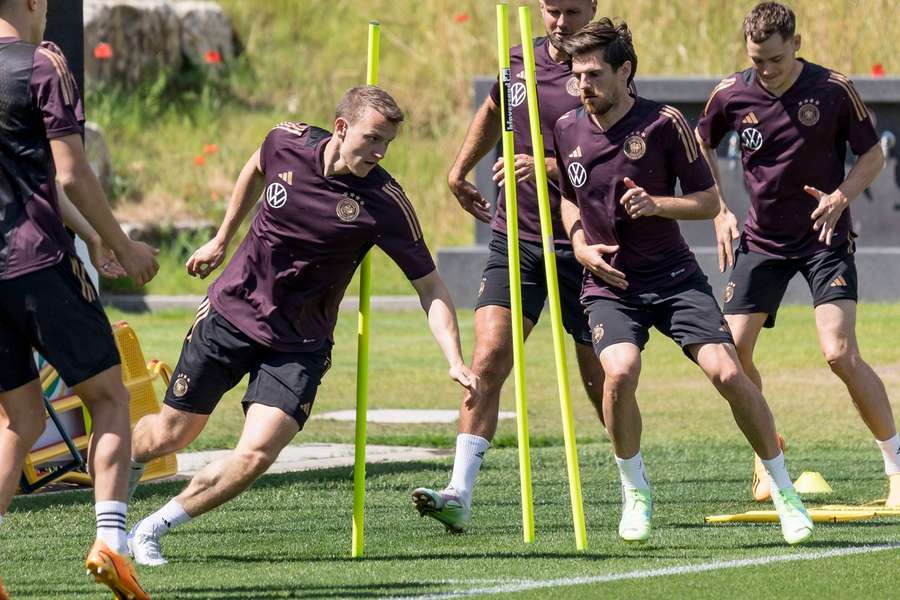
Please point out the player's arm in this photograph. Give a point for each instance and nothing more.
(246, 192)
(103, 259)
(438, 306)
(80, 184)
(589, 255)
(481, 137)
(831, 206)
(694, 206)
(725, 223)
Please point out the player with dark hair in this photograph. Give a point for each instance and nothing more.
(619, 157)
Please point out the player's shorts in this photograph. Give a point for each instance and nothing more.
(56, 311)
(758, 282)
(215, 357)
(687, 313)
(494, 289)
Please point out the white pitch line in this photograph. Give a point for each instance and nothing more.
(525, 585)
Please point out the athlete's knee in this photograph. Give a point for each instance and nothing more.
(841, 358)
(622, 378)
(167, 431)
(492, 364)
(254, 461)
(27, 426)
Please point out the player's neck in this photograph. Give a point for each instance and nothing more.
(556, 55)
(331, 159)
(613, 115)
(8, 29)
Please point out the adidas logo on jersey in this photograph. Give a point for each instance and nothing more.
(287, 177)
(751, 119)
(576, 153)
(839, 282)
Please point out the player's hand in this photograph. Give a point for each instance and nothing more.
(139, 262)
(471, 199)
(206, 258)
(826, 215)
(637, 202)
(462, 375)
(523, 165)
(591, 256)
(726, 228)
(104, 259)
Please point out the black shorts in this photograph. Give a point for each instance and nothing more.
(687, 313)
(758, 281)
(56, 311)
(494, 289)
(215, 357)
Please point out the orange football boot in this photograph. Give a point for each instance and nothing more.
(761, 486)
(3, 594)
(114, 571)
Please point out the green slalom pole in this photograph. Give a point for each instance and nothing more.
(559, 349)
(362, 349)
(515, 277)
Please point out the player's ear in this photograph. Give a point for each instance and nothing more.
(340, 127)
(625, 70)
(797, 43)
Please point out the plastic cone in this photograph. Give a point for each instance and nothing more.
(812, 482)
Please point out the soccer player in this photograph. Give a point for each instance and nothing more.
(273, 310)
(46, 300)
(492, 357)
(795, 119)
(619, 157)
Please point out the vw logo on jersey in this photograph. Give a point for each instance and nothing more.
(517, 94)
(751, 139)
(577, 174)
(276, 195)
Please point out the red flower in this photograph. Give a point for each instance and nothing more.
(877, 70)
(212, 57)
(210, 149)
(199, 160)
(461, 17)
(103, 51)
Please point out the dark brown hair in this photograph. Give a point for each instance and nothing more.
(768, 18)
(357, 99)
(603, 34)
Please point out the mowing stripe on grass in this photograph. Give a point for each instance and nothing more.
(525, 585)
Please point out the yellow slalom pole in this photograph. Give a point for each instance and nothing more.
(362, 349)
(559, 349)
(515, 277)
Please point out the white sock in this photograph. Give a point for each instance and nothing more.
(1, 519)
(111, 524)
(778, 473)
(890, 451)
(631, 471)
(169, 516)
(470, 451)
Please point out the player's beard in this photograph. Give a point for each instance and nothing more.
(600, 106)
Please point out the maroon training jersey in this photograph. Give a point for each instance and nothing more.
(653, 145)
(285, 282)
(788, 141)
(558, 93)
(39, 102)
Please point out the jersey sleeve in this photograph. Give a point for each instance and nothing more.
(854, 120)
(683, 151)
(495, 92)
(55, 93)
(400, 236)
(566, 189)
(277, 137)
(714, 123)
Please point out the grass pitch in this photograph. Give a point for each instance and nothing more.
(289, 536)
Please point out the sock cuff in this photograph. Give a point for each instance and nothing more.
(473, 441)
(110, 506)
(890, 452)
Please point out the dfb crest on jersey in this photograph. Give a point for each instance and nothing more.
(517, 94)
(751, 139)
(276, 195)
(180, 386)
(729, 292)
(634, 147)
(577, 174)
(808, 113)
(348, 207)
(572, 86)
(597, 333)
